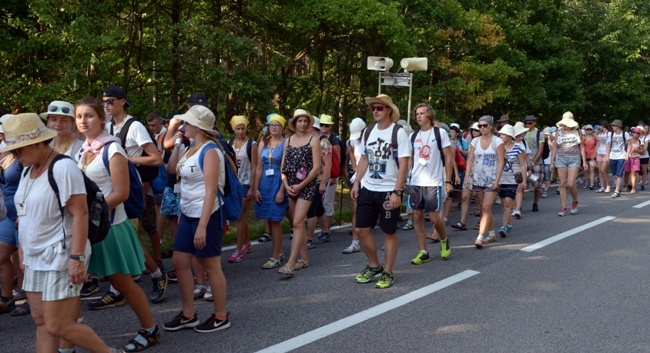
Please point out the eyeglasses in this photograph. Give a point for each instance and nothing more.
(482, 125)
(56, 109)
(379, 108)
(109, 101)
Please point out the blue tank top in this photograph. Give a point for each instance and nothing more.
(9, 180)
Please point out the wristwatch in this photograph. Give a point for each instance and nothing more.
(449, 182)
(399, 193)
(78, 257)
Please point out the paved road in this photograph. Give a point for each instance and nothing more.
(584, 290)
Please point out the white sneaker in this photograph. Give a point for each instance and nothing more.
(200, 290)
(208, 295)
(352, 249)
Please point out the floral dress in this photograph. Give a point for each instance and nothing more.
(298, 162)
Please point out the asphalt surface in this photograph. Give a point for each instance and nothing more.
(586, 292)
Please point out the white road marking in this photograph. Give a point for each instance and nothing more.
(641, 205)
(367, 314)
(566, 234)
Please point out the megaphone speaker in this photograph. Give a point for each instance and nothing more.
(414, 64)
(379, 63)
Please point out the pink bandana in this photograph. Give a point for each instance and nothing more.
(98, 143)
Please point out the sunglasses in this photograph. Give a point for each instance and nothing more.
(530, 123)
(56, 109)
(379, 108)
(482, 125)
(589, 129)
(109, 101)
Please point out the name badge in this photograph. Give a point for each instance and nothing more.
(422, 161)
(177, 188)
(20, 209)
(269, 172)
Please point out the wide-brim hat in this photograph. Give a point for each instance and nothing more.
(116, 92)
(568, 121)
(617, 122)
(2, 120)
(385, 100)
(508, 129)
(474, 127)
(326, 119)
(201, 117)
(503, 119)
(520, 128)
(58, 108)
(530, 118)
(298, 113)
(24, 130)
(356, 126)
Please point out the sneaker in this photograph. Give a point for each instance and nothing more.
(271, 263)
(445, 250)
(352, 248)
(369, 273)
(19, 294)
(7, 306)
(159, 288)
(310, 245)
(591, 187)
(514, 212)
(535, 208)
(408, 225)
(247, 248)
(161, 266)
(422, 257)
(503, 231)
(490, 239)
(323, 238)
(90, 287)
(386, 280)
(562, 212)
(109, 300)
(517, 213)
(199, 290)
(236, 256)
(213, 324)
(544, 193)
(180, 322)
(479, 241)
(171, 276)
(208, 295)
(137, 278)
(151, 338)
(574, 207)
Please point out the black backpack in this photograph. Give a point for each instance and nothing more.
(98, 219)
(147, 173)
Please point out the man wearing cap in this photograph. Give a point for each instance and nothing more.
(383, 169)
(328, 198)
(141, 151)
(617, 153)
(535, 140)
(197, 98)
(504, 120)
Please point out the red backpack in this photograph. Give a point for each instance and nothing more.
(336, 162)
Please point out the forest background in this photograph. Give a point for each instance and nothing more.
(254, 57)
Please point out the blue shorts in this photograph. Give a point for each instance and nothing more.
(547, 172)
(617, 167)
(427, 198)
(184, 240)
(508, 191)
(8, 232)
(568, 161)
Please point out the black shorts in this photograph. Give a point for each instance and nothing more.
(372, 205)
(508, 191)
(428, 198)
(316, 208)
(644, 161)
(148, 218)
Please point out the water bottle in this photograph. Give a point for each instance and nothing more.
(96, 212)
(301, 174)
(177, 142)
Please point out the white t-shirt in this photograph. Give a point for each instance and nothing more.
(484, 169)
(357, 155)
(602, 142)
(431, 173)
(73, 149)
(135, 139)
(40, 226)
(96, 172)
(244, 166)
(193, 184)
(618, 149)
(382, 167)
(642, 141)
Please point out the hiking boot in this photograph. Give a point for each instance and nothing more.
(180, 321)
(445, 250)
(385, 281)
(369, 273)
(159, 288)
(213, 324)
(323, 238)
(109, 300)
(7, 306)
(422, 257)
(90, 287)
(352, 248)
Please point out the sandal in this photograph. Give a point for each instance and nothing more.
(143, 340)
(22, 309)
(459, 226)
(300, 264)
(477, 226)
(433, 238)
(271, 263)
(286, 270)
(264, 238)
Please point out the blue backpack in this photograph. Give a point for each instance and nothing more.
(134, 205)
(233, 192)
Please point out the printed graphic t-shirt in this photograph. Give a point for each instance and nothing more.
(382, 167)
(431, 173)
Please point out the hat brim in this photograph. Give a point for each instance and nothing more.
(45, 115)
(292, 125)
(570, 123)
(374, 100)
(190, 120)
(47, 135)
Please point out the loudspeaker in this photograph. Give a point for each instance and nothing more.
(379, 63)
(414, 64)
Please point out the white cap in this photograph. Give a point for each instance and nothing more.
(356, 126)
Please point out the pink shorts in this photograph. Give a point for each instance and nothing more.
(632, 165)
(600, 158)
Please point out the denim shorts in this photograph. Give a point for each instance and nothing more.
(617, 166)
(568, 161)
(508, 191)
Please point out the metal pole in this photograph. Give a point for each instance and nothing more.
(408, 119)
(379, 83)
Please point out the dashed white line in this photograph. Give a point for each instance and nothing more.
(641, 205)
(340, 325)
(566, 234)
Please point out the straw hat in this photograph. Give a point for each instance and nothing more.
(568, 121)
(520, 128)
(201, 117)
(58, 108)
(385, 100)
(326, 119)
(356, 126)
(298, 113)
(508, 129)
(24, 130)
(2, 120)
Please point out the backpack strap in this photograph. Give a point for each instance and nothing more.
(436, 132)
(202, 153)
(55, 188)
(413, 137)
(125, 130)
(393, 145)
(249, 149)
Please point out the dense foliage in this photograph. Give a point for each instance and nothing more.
(254, 57)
